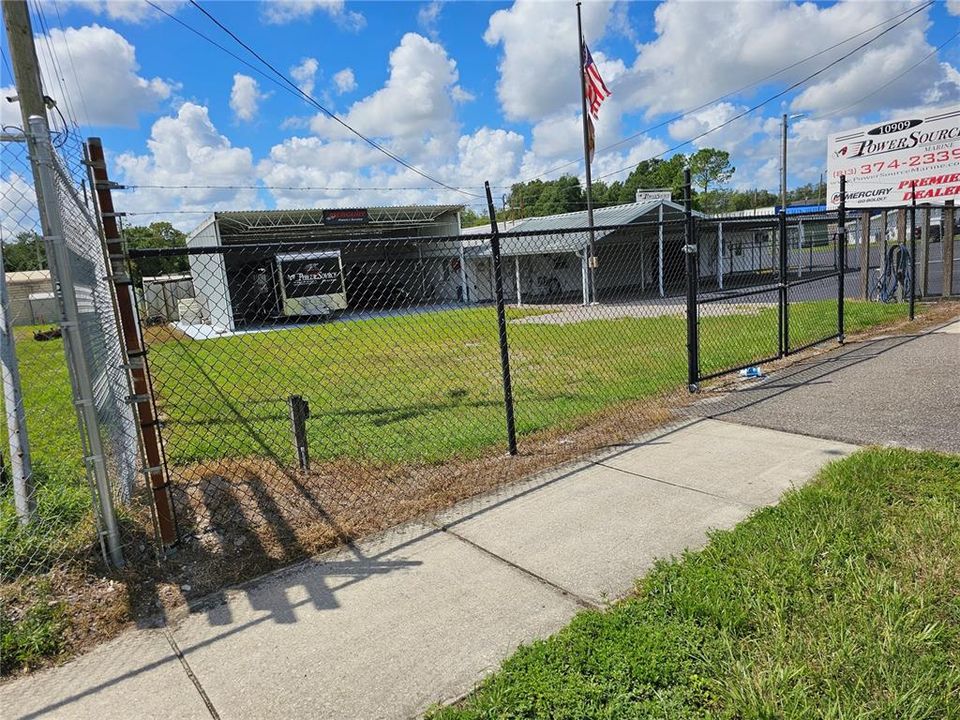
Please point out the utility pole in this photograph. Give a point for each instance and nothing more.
(26, 73)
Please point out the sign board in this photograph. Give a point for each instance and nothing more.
(648, 195)
(311, 283)
(882, 161)
(350, 216)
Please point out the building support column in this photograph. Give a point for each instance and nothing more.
(720, 254)
(516, 268)
(660, 248)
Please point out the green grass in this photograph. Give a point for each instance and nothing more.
(34, 634)
(64, 519)
(841, 602)
(427, 387)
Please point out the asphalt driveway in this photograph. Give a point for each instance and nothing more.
(902, 390)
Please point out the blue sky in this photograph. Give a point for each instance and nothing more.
(467, 91)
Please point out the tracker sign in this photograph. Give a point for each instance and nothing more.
(882, 162)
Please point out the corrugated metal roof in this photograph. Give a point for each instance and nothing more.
(23, 276)
(550, 225)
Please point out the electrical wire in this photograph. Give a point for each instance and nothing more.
(892, 80)
(779, 94)
(310, 99)
(732, 93)
(297, 188)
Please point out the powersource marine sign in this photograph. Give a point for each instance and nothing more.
(882, 162)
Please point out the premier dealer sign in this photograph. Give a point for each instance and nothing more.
(882, 161)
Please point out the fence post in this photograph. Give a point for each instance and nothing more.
(501, 323)
(59, 261)
(783, 320)
(299, 412)
(21, 469)
(154, 465)
(865, 255)
(842, 254)
(946, 247)
(693, 270)
(925, 254)
(913, 247)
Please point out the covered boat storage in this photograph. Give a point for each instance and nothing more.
(355, 258)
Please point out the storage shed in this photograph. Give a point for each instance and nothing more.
(351, 258)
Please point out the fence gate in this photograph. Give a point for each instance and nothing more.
(778, 280)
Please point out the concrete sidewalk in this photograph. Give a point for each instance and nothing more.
(420, 615)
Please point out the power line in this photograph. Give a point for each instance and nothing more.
(309, 98)
(783, 92)
(720, 98)
(893, 79)
(297, 188)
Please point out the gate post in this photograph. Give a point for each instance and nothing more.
(783, 320)
(842, 253)
(501, 323)
(913, 247)
(692, 267)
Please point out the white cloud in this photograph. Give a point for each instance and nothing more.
(953, 7)
(105, 89)
(460, 95)
(705, 49)
(279, 12)
(345, 81)
(130, 11)
(537, 77)
(18, 202)
(245, 97)
(730, 137)
(415, 102)
(428, 16)
(305, 74)
(186, 149)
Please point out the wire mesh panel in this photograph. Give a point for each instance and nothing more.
(393, 345)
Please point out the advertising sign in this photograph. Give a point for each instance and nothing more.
(350, 216)
(881, 162)
(648, 195)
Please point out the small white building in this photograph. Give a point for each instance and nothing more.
(31, 297)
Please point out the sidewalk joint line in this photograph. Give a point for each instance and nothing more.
(190, 674)
(583, 602)
(677, 485)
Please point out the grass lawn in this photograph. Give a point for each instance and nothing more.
(841, 602)
(426, 387)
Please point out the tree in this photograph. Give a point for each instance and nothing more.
(710, 166)
(656, 173)
(156, 235)
(470, 218)
(25, 252)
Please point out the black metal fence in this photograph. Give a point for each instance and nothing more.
(313, 391)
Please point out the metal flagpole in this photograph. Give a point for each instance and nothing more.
(592, 255)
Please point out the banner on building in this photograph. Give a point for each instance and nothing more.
(884, 162)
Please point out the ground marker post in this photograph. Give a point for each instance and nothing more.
(783, 334)
(913, 247)
(501, 323)
(841, 254)
(690, 249)
(299, 412)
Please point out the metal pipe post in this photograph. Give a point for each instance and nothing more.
(842, 254)
(501, 324)
(913, 248)
(690, 250)
(53, 228)
(783, 320)
(21, 468)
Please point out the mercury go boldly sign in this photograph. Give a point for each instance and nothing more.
(881, 161)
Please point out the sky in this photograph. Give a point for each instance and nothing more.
(466, 92)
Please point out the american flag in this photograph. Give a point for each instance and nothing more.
(596, 89)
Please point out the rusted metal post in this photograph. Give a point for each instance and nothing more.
(136, 354)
